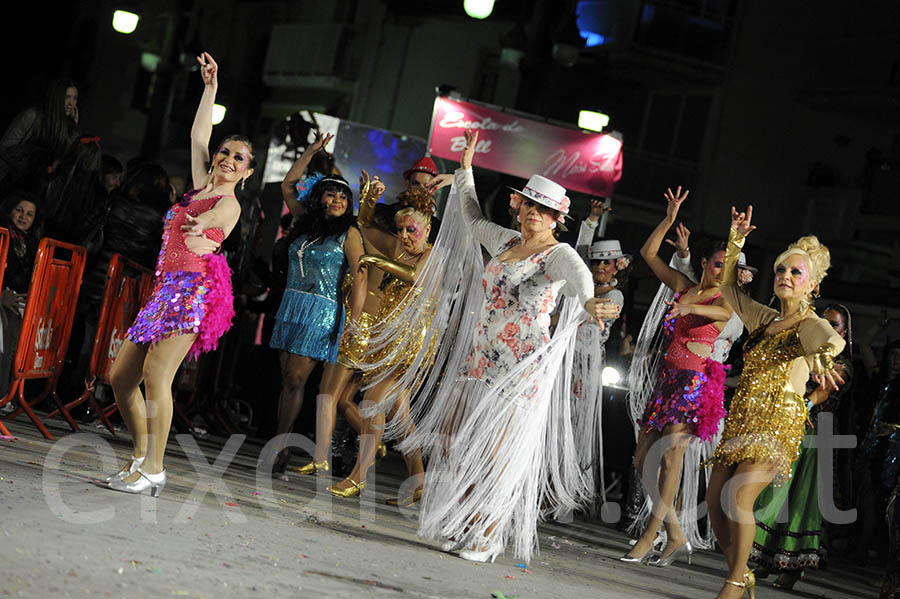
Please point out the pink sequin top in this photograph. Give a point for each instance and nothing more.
(174, 254)
(690, 328)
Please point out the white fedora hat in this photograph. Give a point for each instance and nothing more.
(742, 263)
(547, 193)
(606, 249)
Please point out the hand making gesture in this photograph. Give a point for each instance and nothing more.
(740, 221)
(682, 236)
(674, 201)
(209, 70)
(465, 160)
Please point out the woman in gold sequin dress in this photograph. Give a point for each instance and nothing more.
(766, 423)
(400, 257)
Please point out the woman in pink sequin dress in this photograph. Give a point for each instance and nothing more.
(191, 304)
(686, 400)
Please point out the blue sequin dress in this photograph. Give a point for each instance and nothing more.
(310, 318)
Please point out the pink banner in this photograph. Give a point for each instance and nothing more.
(579, 161)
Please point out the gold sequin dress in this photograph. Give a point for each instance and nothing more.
(401, 353)
(767, 419)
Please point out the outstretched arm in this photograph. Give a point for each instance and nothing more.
(201, 131)
(670, 277)
(288, 184)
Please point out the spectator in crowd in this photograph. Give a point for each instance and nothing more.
(112, 172)
(18, 214)
(76, 202)
(53, 125)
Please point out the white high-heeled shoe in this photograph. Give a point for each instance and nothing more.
(154, 482)
(473, 555)
(450, 545)
(125, 472)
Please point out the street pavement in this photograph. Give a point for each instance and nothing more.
(62, 534)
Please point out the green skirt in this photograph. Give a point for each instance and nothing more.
(788, 520)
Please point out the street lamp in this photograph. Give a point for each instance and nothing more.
(478, 9)
(592, 121)
(124, 21)
(218, 114)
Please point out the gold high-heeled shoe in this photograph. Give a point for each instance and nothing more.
(382, 450)
(353, 491)
(407, 500)
(748, 584)
(312, 468)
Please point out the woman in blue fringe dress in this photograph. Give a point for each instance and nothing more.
(310, 319)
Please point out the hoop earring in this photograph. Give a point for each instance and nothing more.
(209, 172)
(613, 282)
(553, 225)
(243, 182)
(518, 220)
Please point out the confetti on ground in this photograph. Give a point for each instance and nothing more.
(498, 595)
(508, 577)
(522, 566)
(555, 545)
(231, 503)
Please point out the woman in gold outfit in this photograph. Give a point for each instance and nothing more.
(766, 423)
(400, 257)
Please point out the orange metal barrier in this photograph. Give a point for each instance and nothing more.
(128, 285)
(46, 326)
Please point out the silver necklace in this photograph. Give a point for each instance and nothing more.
(301, 251)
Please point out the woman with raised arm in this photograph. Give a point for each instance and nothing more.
(400, 257)
(766, 423)
(310, 320)
(191, 304)
(494, 416)
(686, 399)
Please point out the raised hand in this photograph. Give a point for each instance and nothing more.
(682, 236)
(209, 70)
(376, 184)
(831, 380)
(465, 160)
(674, 201)
(320, 142)
(598, 209)
(740, 221)
(439, 181)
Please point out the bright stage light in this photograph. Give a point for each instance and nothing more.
(592, 121)
(218, 114)
(125, 22)
(610, 376)
(478, 9)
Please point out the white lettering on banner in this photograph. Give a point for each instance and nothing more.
(115, 344)
(44, 335)
(458, 144)
(562, 164)
(456, 120)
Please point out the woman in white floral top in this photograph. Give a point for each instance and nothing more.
(499, 437)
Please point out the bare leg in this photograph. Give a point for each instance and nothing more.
(645, 542)
(717, 517)
(754, 478)
(669, 482)
(348, 408)
(334, 379)
(373, 430)
(160, 365)
(125, 378)
(413, 460)
(294, 372)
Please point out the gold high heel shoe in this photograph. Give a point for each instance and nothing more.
(407, 500)
(312, 468)
(382, 450)
(748, 584)
(353, 491)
